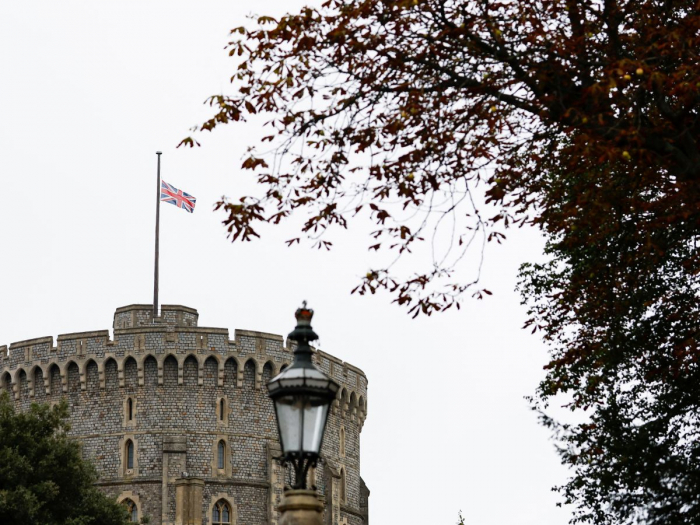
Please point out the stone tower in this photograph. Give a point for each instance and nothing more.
(177, 420)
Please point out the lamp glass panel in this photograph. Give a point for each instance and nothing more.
(289, 418)
(315, 414)
(302, 421)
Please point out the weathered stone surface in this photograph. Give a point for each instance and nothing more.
(301, 507)
(158, 387)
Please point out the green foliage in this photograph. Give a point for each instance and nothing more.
(43, 478)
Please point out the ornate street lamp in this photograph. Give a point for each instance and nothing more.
(302, 395)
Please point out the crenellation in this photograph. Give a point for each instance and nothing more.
(24, 353)
(94, 334)
(70, 352)
(36, 341)
(137, 315)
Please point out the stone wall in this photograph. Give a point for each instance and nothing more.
(160, 388)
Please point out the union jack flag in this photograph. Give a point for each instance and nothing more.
(179, 198)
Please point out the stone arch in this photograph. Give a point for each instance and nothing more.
(72, 375)
(221, 451)
(190, 370)
(141, 359)
(250, 372)
(283, 367)
(231, 368)
(221, 455)
(36, 382)
(268, 372)
(129, 416)
(22, 385)
(54, 374)
(91, 374)
(111, 374)
(170, 370)
(352, 408)
(6, 382)
(361, 409)
(217, 498)
(150, 371)
(343, 486)
(221, 411)
(210, 375)
(343, 401)
(130, 373)
(129, 455)
(341, 441)
(83, 365)
(127, 496)
(16, 376)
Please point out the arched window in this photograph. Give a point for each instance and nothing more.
(132, 509)
(342, 441)
(129, 454)
(343, 402)
(221, 513)
(343, 491)
(130, 409)
(221, 455)
(7, 382)
(221, 409)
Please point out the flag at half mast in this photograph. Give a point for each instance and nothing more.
(170, 194)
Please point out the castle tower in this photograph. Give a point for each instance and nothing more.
(177, 421)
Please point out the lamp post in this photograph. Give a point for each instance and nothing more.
(302, 396)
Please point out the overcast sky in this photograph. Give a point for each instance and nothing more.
(88, 92)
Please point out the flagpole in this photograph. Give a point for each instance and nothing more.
(155, 275)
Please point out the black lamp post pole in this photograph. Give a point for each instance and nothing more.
(301, 462)
(302, 396)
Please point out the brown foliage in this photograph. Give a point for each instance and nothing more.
(578, 116)
(406, 103)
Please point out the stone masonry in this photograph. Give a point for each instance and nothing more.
(177, 420)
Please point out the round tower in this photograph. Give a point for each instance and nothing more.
(177, 421)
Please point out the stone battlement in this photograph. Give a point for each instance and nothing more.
(175, 335)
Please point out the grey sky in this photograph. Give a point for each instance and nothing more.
(88, 92)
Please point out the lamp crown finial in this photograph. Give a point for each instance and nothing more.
(304, 315)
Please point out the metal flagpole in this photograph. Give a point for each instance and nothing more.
(155, 276)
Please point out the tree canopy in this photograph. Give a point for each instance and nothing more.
(622, 325)
(387, 107)
(578, 116)
(43, 478)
